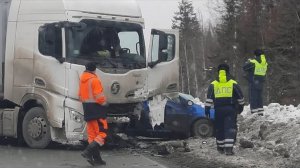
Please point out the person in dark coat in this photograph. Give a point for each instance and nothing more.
(256, 70)
(227, 98)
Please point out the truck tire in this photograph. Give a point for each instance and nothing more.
(36, 129)
(202, 128)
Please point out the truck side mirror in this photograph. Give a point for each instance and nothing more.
(163, 42)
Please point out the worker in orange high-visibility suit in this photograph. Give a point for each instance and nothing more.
(94, 106)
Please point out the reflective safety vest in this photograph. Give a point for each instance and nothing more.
(224, 88)
(90, 89)
(260, 68)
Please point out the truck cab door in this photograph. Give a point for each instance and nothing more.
(49, 65)
(163, 62)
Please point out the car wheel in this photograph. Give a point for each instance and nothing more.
(36, 129)
(202, 128)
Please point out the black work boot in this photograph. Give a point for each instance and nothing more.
(98, 159)
(89, 151)
(220, 150)
(229, 151)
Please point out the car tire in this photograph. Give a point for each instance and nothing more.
(202, 128)
(36, 128)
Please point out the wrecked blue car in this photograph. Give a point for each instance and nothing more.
(182, 116)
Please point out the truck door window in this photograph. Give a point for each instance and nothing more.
(50, 41)
(129, 42)
(171, 47)
(164, 55)
(155, 50)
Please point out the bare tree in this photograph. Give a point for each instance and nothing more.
(186, 21)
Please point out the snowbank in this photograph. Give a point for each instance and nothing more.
(276, 135)
(276, 113)
(272, 140)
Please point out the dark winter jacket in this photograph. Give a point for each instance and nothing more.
(236, 101)
(249, 69)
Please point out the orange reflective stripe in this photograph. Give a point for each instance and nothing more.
(89, 101)
(98, 96)
(99, 140)
(90, 95)
(104, 123)
(94, 132)
(90, 89)
(92, 98)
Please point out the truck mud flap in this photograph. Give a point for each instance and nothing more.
(9, 120)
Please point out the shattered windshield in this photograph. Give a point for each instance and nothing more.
(114, 46)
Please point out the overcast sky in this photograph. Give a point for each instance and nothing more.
(159, 13)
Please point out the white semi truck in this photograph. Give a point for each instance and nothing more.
(44, 45)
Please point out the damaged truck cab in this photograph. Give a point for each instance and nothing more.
(44, 47)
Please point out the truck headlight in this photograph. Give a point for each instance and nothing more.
(76, 116)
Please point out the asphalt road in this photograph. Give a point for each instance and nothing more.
(69, 157)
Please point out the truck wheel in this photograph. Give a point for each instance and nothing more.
(36, 129)
(202, 128)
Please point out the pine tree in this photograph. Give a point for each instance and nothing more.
(186, 21)
(273, 25)
(228, 34)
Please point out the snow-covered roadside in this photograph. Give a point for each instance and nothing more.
(276, 135)
(272, 140)
(276, 113)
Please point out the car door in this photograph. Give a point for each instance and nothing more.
(163, 62)
(176, 116)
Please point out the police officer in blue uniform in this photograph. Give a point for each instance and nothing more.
(227, 98)
(256, 71)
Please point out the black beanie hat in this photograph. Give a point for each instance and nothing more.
(258, 52)
(223, 67)
(91, 66)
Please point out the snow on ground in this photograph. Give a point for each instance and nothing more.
(278, 130)
(272, 140)
(276, 135)
(197, 101)
(277, 113)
